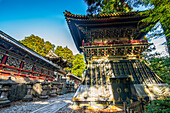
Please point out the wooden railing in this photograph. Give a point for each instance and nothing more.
(135, 107)
(115, 43)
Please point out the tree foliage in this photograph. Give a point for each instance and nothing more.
(65, 53)
(158, 106)
(107, 6)
(78, 65)
(161, 66)
(158, 64)
(37, 44)
(160, 13)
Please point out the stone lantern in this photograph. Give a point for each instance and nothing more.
(71, 87)
(5, 87)
(44, 93)
(54, 88)
(68, 86)
(60, 86)
(29, 97)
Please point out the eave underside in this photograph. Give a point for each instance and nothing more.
(76, 26)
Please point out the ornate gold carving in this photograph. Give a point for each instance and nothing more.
(119, 90)
(126, 90)
(118, 81)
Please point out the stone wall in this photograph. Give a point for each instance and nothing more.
(18, 91)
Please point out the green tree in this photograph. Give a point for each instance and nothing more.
(68, 55)
(78, 65)
(159, 12)
(65, 53)
(107, 6)
(59, 51)
(48, 46)
(158, 106)
(161, 66)
(37, 44)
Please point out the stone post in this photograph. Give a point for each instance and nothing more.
(68, 86)
(5, 86)
(29, 97)
(60, 86)
(53, 89)
(72, 87)
(44, 94)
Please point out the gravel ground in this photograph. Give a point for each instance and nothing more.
(27, 107)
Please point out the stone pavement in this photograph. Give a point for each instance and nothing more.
(51, 105)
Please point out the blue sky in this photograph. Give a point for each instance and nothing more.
(44, 18)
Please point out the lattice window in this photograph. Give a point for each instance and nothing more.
(45, 71)
(51, 73)
(27, 66)
(37, 69)
(13, 62)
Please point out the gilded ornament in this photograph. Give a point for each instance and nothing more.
(119, 90)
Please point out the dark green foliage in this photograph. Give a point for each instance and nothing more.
(107, 6)
(158, 106)
(160, 13)
(161, 66)
(38, 45)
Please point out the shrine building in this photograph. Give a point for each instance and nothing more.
(21, 63)
(112, 45)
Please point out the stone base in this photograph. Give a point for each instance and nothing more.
(27, 98)
(60, 93)
(53, 95)
(4, 103)
(93, 104)
(43, 97)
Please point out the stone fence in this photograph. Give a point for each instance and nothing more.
(12, 91)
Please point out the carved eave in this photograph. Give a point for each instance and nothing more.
(79, 23)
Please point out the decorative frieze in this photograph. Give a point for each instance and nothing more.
(27, 66)
(38, 69)
(13, 62)
(113, 51)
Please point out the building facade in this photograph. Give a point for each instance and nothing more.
(112, 45)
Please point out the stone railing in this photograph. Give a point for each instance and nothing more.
(115, 43)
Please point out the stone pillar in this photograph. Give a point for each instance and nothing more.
(29, 97)
(44, 94)
(5, 86)
(68, 86)
(72, 87)
(60, 86)
(53, 89)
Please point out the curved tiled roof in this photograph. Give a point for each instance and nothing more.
(89, 22)
(69, 14)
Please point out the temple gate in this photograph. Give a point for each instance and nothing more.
(112, 45)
